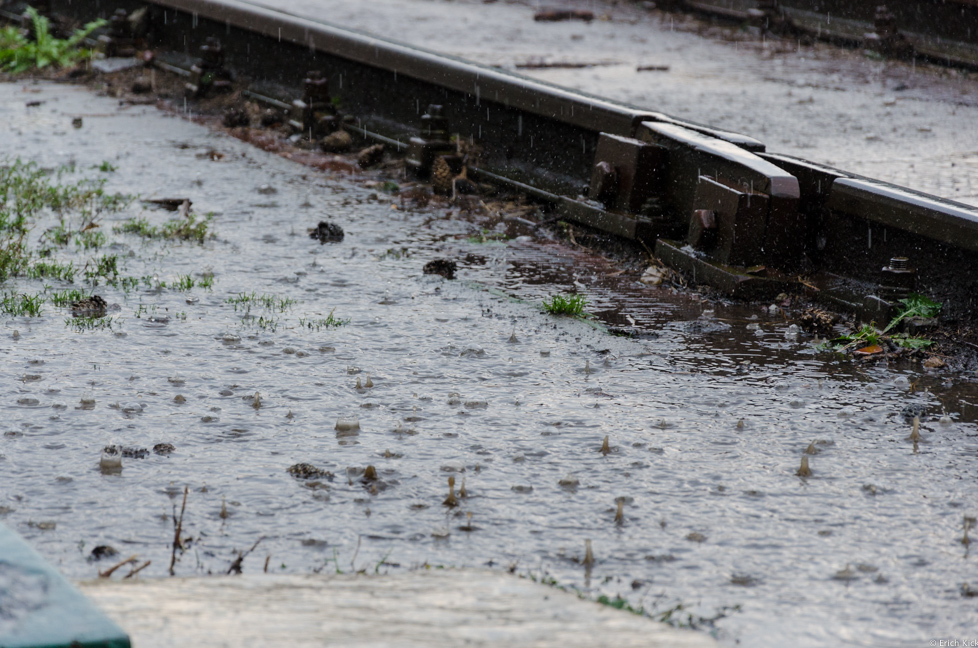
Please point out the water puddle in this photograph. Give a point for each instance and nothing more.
(389, 383)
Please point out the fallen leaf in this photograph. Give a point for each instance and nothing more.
(872, 349)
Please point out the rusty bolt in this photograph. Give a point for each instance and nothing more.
(900, 264)
(315, 88)
(605, 182)
(898, 279)
(707, 218)
(211, 54)
(702, 231)
(434, 124)
(119, 24)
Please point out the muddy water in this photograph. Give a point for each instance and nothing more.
(708, 414)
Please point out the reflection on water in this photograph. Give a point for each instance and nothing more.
(706, 421)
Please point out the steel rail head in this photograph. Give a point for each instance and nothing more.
(941, 220)
(484, 83)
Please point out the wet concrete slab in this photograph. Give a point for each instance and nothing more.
(895, 121)
(420, 609)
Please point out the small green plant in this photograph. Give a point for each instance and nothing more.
(26, 191)
(915, 306)
(572, 306)
(619, 604)
(267, 323)
(193, 228)
(183, 282)
(675, 615)
(82, 324)
(187, 282)
(678, 617)
(105, 266)
(22, 305)
(390, 186)
(107, 167)
(137, 226)
(394, 253)
(51, 269)
(90, 239)
(64, 298)
(323, 323)
(485, 236)
(18, 54)
(911, 342)
(869, 335)
(269, 302)
(59, 235)
(127, 284)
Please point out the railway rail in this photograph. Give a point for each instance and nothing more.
(716, 205)
(941, 31)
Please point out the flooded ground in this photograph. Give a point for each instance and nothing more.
(708, 413)
(900, 122)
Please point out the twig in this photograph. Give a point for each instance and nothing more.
(353, 567)
(235, 567)
(136, 570)
(651, 256)
(267, 558)
(179, 531)
(564, 65)
(111, 570)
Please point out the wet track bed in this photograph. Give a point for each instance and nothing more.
(693, 185)
(708, 411)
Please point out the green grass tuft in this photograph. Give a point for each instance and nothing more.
(193, 228)
(572, 306)
(21, 305)
(51, 269)
(269, 302)
(485, 236)
(65, 298)
(82, 324)
(18, 54)
(27, 192)
(328, 322)
(90, 239)
(105, 267)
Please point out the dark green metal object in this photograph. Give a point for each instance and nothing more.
(39, 608)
